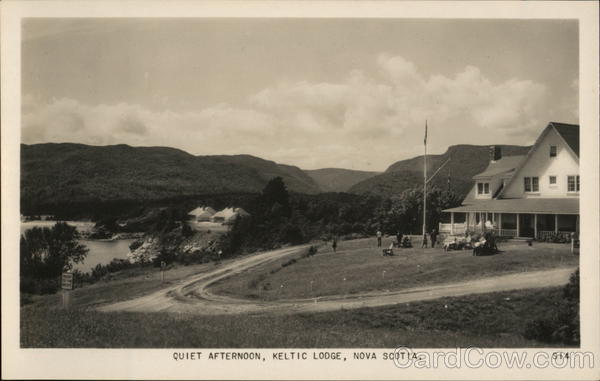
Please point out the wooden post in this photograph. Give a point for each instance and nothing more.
(518, 225)
(163, 265)
(499, 224)
(66, 298)
(535, 226)
(452, 223)
(66, 286)
(556, 224)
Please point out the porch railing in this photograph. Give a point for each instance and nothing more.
(544, 235)
(459, 228)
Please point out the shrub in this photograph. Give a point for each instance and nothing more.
(167, 256)
(288, 263)
(540, 329)
(563, 326)
(135, 244)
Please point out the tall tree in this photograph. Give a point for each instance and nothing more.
(47, 252)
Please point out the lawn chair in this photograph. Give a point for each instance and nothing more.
(388, 252)
(406, 242)
(486, 246)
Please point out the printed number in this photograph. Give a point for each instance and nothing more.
(560, 355)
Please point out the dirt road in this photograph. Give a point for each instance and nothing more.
(192, 295)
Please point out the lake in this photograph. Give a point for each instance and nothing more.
(100, 251)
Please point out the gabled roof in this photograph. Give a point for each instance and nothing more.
(202, 211)
(225, 213)
(570, 134)
(228, 213)
(504, 165)
(523, 205)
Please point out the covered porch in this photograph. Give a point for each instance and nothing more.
(541, 219)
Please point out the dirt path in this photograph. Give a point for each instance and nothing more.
(192, 295)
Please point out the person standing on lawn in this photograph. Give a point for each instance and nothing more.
(399, 238)
(433, 236)
(334, 244)
(424, 244)
(379, 238)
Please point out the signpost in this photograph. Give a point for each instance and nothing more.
(66, 284)
(163, 265)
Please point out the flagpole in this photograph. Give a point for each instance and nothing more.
(425, 183)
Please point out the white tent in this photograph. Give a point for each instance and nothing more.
(229, 215)
(202, 213)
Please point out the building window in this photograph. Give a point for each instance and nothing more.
(531, 184)
(552, 151)
(483, 188)
(573, 183)
(552, 180)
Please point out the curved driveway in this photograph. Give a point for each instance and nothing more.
(192, 295)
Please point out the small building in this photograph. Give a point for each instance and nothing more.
(533, 196)
(202, 213)
(229, 215)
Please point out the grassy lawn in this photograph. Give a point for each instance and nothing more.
(360, 263)
(124, 285)
(485, 320)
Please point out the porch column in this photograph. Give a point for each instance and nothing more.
(452, 223)
(556, 224)
(499, 223)
(518, 230)
(535, 225)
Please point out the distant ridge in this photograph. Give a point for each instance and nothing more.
(338, 179)
(466, 161)
(67, 172)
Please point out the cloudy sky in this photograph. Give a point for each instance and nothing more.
(351, 93)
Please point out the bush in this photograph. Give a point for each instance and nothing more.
(540, 329)
(39, 286)
(191, 258)
(25, 299)
(563, 326)
(136, 244)
(167, 256)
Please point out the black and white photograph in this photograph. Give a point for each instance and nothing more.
(303, 191)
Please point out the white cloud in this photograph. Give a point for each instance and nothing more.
(367, 121)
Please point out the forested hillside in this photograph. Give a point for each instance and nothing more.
(338, 179)
(55, 173)
(465, 162)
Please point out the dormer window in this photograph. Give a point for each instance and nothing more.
(552, 151)
(483, 188)
(531, 184)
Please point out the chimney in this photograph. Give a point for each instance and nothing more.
(495, 153)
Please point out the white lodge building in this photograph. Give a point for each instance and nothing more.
(534, 195)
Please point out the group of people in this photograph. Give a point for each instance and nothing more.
(403, 241)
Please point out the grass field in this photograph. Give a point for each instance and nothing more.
(485, 320)
(124, 285)
(358, 267)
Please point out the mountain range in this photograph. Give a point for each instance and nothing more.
(461, 162)
(68, 172)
